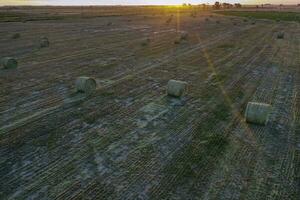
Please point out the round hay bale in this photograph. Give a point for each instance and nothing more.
(280, 35)
(85, 84)
(177, 41)
(146, 42)
(176, 88)
(184, 35)
(257, 113)
(9, 63)
(16, 36)
(44, 42)
(169, 20)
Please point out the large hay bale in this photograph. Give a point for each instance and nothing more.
(9, 63)
(85, 84)
(176, 88)
(44, 42)
(257, 113)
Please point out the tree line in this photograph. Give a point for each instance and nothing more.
(217, 5)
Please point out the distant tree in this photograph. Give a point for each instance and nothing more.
(227, 5)
(217, 5)
(237, 5)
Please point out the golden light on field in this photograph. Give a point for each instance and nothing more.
(17, 2)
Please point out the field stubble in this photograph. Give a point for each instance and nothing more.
(129, 140)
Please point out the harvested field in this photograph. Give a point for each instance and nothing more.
(271, 15)
(129, 139)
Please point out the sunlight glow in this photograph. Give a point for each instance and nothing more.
(237, 115)
(136, 2)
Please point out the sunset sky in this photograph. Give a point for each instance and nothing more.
(147, 2)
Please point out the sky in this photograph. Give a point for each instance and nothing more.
(136, 2)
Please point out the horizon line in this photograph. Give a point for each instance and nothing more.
(138, 4)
